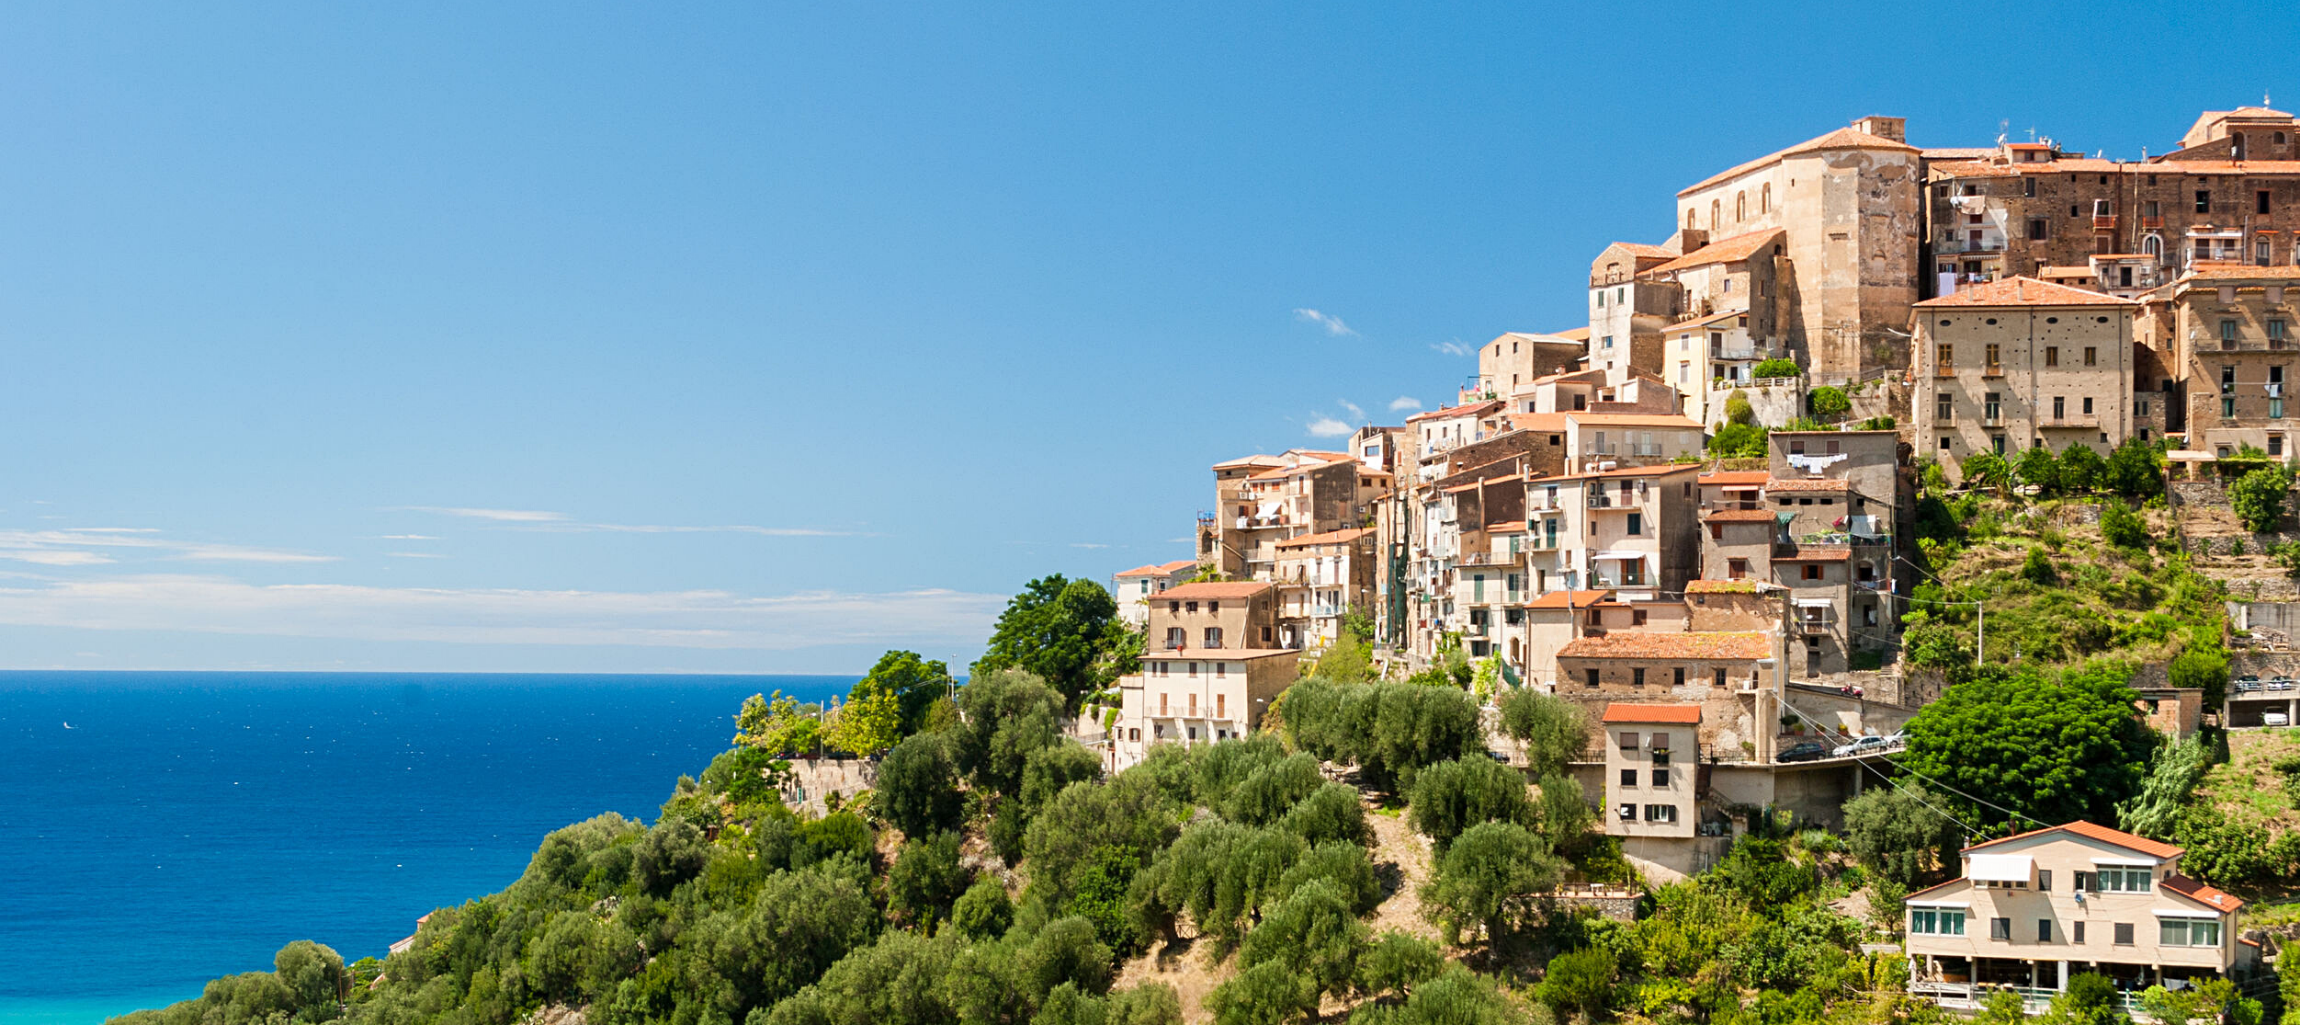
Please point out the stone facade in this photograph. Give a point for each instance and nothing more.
(2236, 340)
(2021, 363)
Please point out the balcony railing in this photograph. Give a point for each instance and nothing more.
(2151, 223)
(2086, 421)
(1993, 370)
(1732, 352)
(1544, 542)
(1945, 370)
(1491, 558)
(1996, 245)
(2104, 222)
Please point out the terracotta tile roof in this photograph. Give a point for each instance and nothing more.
(2104, 834)
(1697, 321)
(1331, 537)
(1973, 169)
(1573, 334)
(1732, 477)
(1166, 569)
(1472, 409)
(1536, 336)
(1214, 654)
(1506, 527)
(1254, 460)
(1720, 587)
(2065, 272)
(1676, 715)
(2203, 894)
(1550, 422)
(2239, 272)
(1817, 553)
(1634, 420)
(2024, 291)
(1643, 644)
(1795, 484)
(1216, 590)
(2217, 166)
(1560, 599)
(1740, 516)
(1641, 249)
(1730, 250)
(1842, 138)
(1622, 471)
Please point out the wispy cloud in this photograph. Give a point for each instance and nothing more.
(1331, 323)
(498, 515)
(413, 555)
(1455, 348)
(675, 619)
(95, 546)
(1404, 403)
(1355, 413)
(1328, 427)
(1087, 544)
(406, 537)
(552, 522)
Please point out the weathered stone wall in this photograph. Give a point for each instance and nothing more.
(1775, 402)
(813, 778)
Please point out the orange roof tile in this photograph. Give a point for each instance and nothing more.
(1567, 599)
(1676, 715)
(2104, 834)
(1698, 320)
(2203, 893)
(1623, 471)
(2239, 272)
(2024, 291)
(1734, 646)
(1472, 409)
(1720, 587)
(1794, 484)
(1642, 249)
(1573, 334)
(1740, 516)
(1216, 590)
(1817, 553)
(1730, 478)
(1331, 537)
(1842, 138)
(1732, 250)
(1634, 420)
(1165, 569)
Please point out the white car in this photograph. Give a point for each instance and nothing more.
(1862, 746)
(2275, 719)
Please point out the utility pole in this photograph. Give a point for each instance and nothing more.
(1981, 638)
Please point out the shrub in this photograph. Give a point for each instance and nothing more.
(2038, 569)
(1777, 368)
(2122, 527)
(2258, 497)
(1738, 410)
(1738, 441)
(2037, 468)
(2081, 469)
(1829, 403)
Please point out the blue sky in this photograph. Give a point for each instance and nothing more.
(734, 338)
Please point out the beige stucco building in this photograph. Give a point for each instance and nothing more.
(1321, 577)
(1210, 668)
(1135, 587)
(2018, 363)
(2236, 337)
(2030, 910)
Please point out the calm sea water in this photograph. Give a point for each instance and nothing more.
(187, 825)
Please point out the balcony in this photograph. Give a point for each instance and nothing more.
(1544, 542)
(2151, 223)
(1813, 625)
(1609, 500)
(2074, 421)
(1945, 370)
(2104, 222)
(1990, 245)
(1993, 370)
(1492, 558)
(1733, 352)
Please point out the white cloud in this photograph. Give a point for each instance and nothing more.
(406, 537)
(1404, 403)
(413, 555)
(1454, 348)
(90, 546)
(673, 619)
(1328, 427)
(1355, 412)
(498, 515)
(1331, 323)
(1087, 544)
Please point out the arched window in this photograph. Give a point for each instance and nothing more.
(2280, 138)
(2153, 245)
(2236, 145)
(1765, 199)
(1688, 217)
(1740, 207)
(1716, 213)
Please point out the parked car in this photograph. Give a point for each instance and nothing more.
(2247, 682)
(1810, 750)
(1862, 746)
(2280, 683)
(2275, 719)
(1497, 756)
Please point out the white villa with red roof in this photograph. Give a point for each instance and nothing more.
(2030, 910)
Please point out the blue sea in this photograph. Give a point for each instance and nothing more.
(187, 825)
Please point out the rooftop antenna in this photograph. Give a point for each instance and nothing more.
(2003, 125)
(2032, 133)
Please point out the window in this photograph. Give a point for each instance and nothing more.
(1944, 355)
(2124, 880)
(1162, 703)
(2228, 409)
(2052, 355)
(2000, 928)
(1940, 922)
(2044, 930)
(1213, 606)
(1765, 198)
(2059, 407)
(2188, 932)
(2276, 441)
(1629, 778)
(1992, 356)
(2227, 380)
(1943, 408)
(1679, 678)
(2260, 202)
(1629, 811)
(2028, 187)
(1191, 607)
(2076, 931)
(1661, 813)
(1720, 678)
(2092, 355)
(2276, 329)
(1637, 677)
(1591, 676)
(2204, 201)
(1174, 637)
(1661, 777)
(1812, 571)
(2124, 934)
(2036, 228)
(1213, 637)
(2088, 405)
(1193, 696)
(1994, 406)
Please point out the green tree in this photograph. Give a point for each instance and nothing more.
(1345, 661)
(1580, 982)
(1829, 403)
(918, 786)
(2037, 468)
(2121, 527)
(1899, 833)
(1450, 797)
(984, 910)
(2204, 1002)
(1315, 934)
(2172, 776)
(1486, 877)
(868, 724)
(779, 725)
(2037, 568)
(2201, 668)
(1007, 716)
(926, 879)
(2135, 470)
(1985, 471)
(2081, 469)
(1738, 441)
(2258, 497)
(1552, 730)
(1776, 368)
(1067, 632)
(1389, 730)
(915, 681)
(314, 977)
(1046, 772)
(1738, 410)
(2053, 749)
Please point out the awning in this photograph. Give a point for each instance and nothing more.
(2183, 913)
(1938, 903)
(2184, 455)
(2136, 862)
(1823, 603)
(1625, 556)
(2001, 868)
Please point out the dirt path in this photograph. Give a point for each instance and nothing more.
(1402, 861)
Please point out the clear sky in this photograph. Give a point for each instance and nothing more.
(569, 337)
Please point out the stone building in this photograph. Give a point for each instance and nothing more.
(1261, 500)
(1134, 588)
(2021, 363)
(1847, 205)
(1519, 358)
(2233, 339)
(1321, 578)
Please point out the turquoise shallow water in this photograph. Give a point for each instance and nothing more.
(189, 824)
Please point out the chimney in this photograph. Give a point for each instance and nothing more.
(1690, 239)
(1894, 128)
